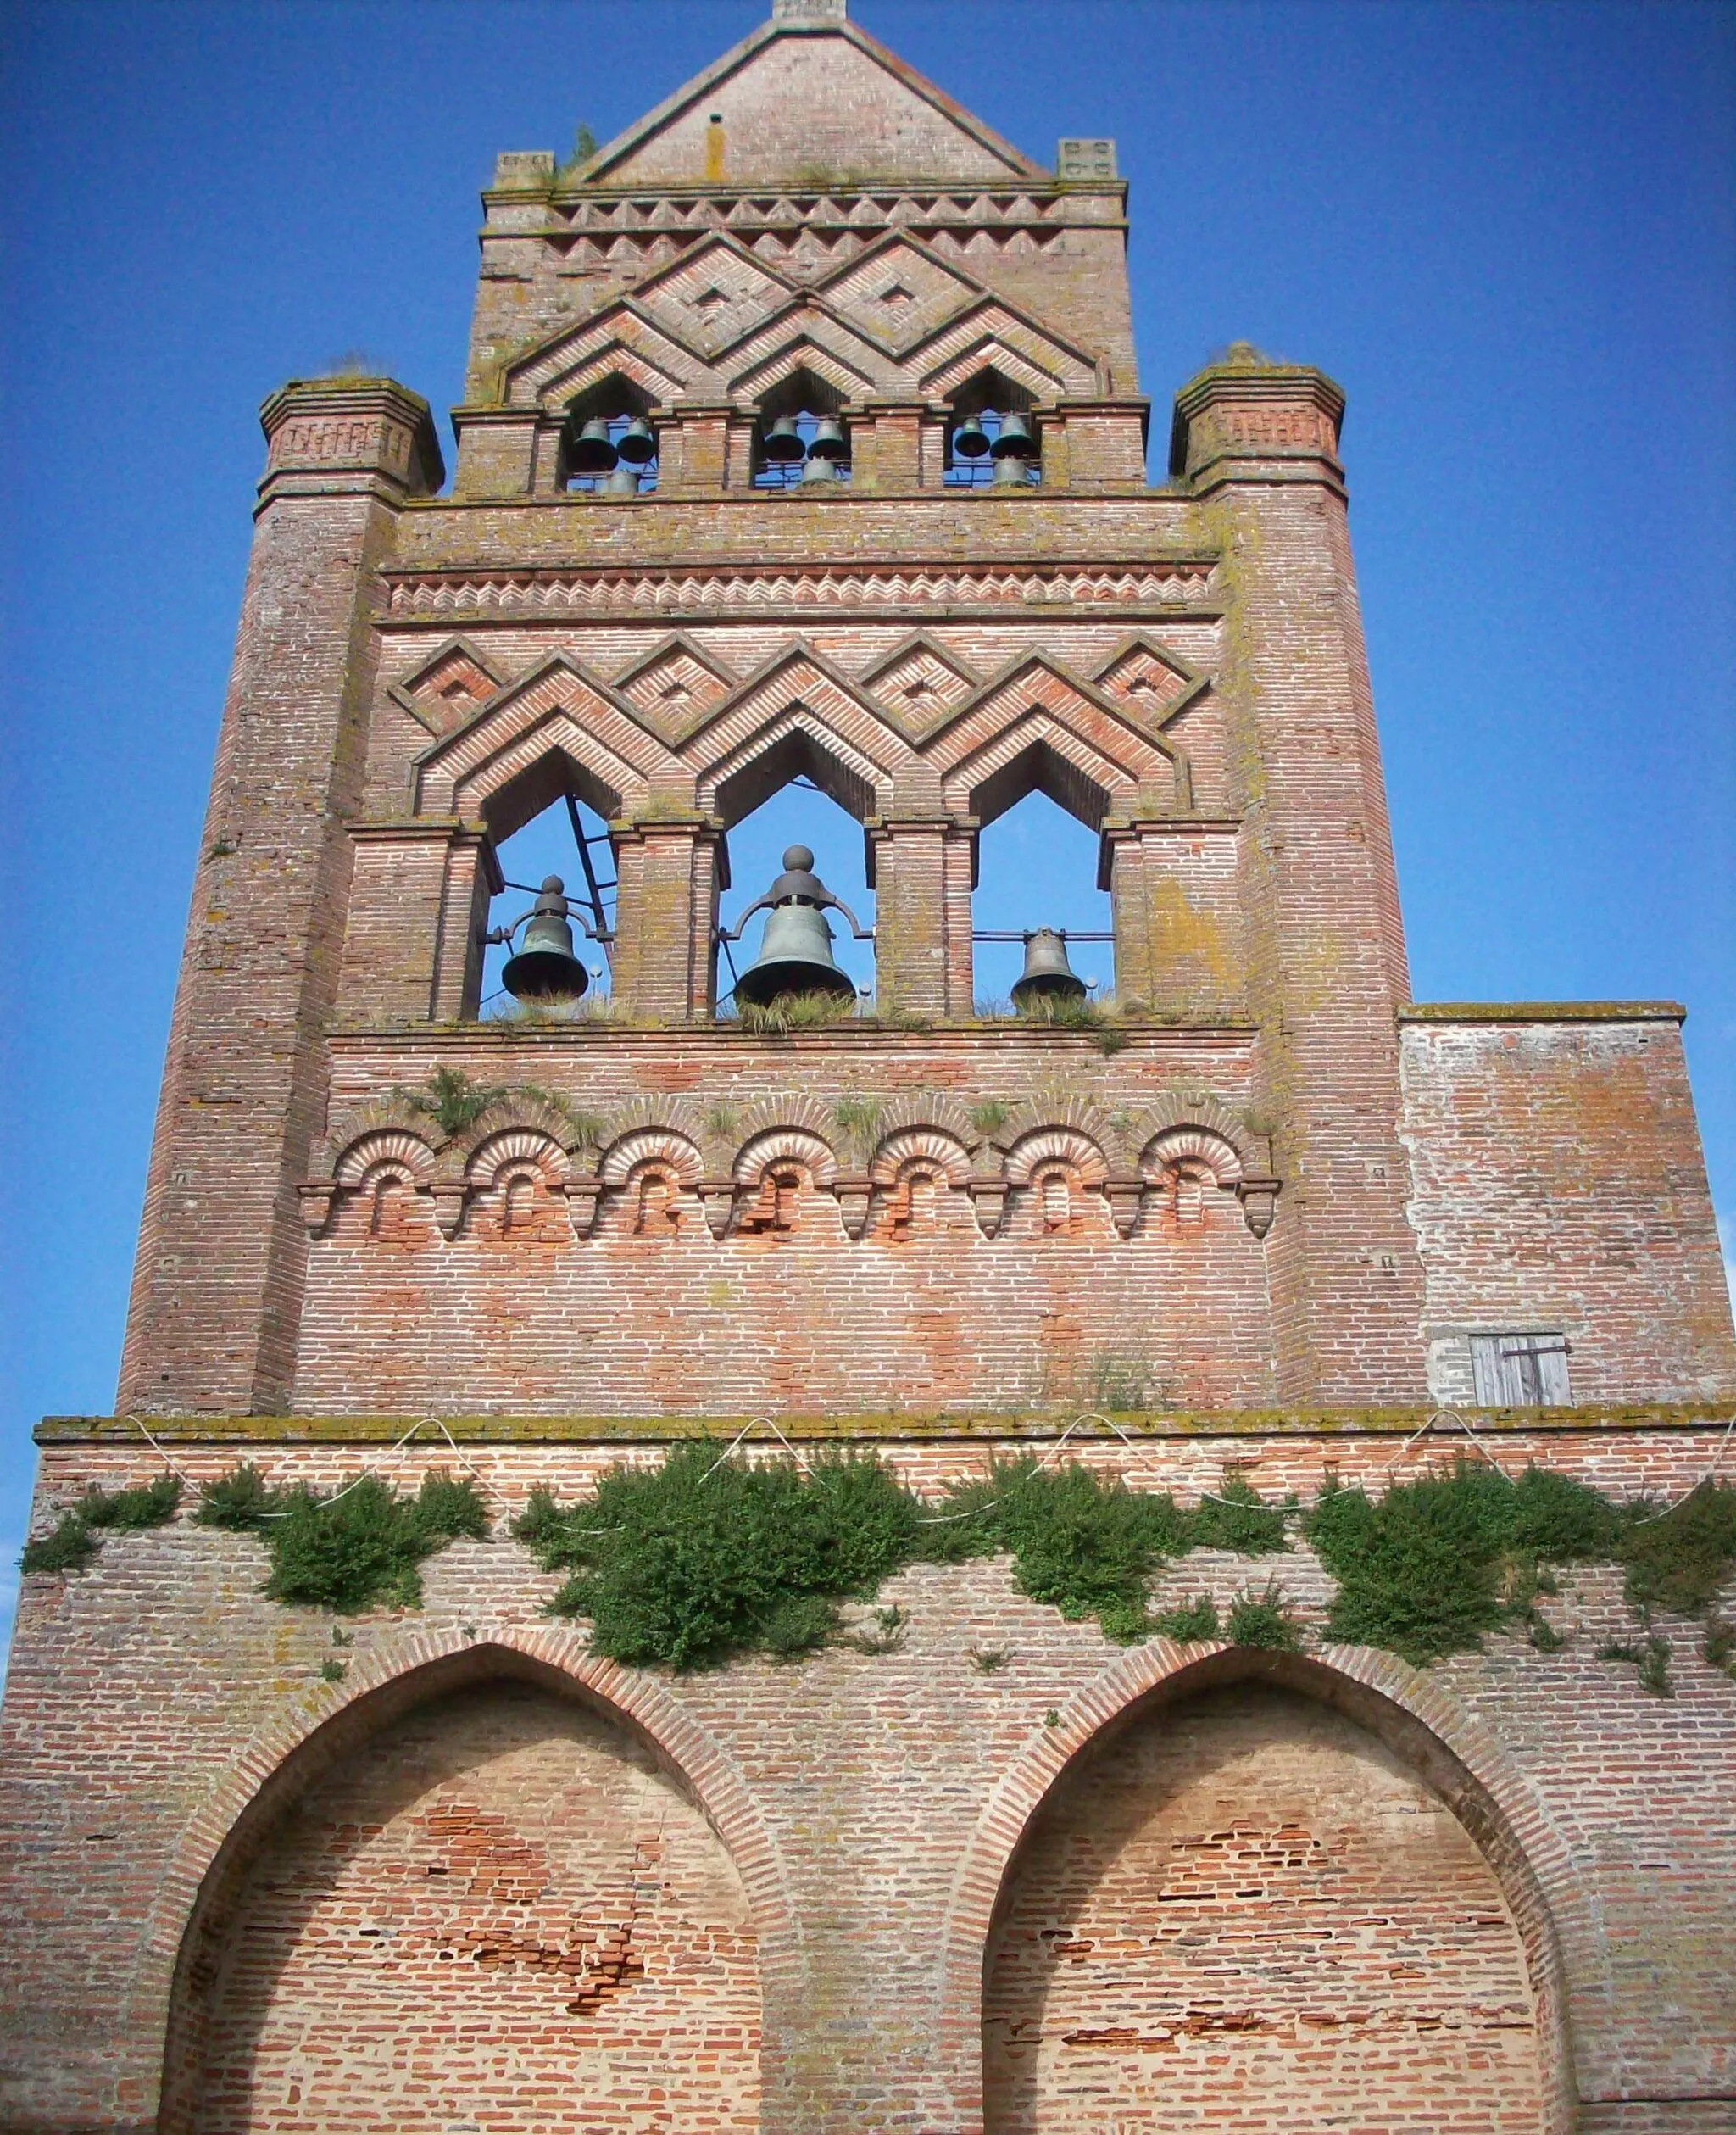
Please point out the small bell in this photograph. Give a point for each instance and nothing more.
(969, 439)
(783, 443)
(819, 470)
(621, 481)
(591, 452)
(637, 443)
(545, 967)
(1016, 441)
(795, 951)
(829, 440)
(1011, 474)
(1048, 975)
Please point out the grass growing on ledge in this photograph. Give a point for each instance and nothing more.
(793, 1011)
(357, 1548)
(73, 1541)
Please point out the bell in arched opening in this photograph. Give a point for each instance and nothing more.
(795, 951)
(783, 444)
(591, 452)
(637, 443)
(1016, 441)
(969, 439)
(545, 967)
(1047, 976)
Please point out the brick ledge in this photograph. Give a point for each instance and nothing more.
(1396, 1422)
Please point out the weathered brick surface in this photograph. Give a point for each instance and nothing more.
(1558, 1183)
(1269, 1210)
(872, 1804)
(1125, 1989)
(573, 1934)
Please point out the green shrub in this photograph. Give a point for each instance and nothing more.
(1085, 1544)
(1682, 1561)
(698, 1560)
(1236, 1518)
(67, 1546)
(364, 1544)
(1264, 1619)
(452, 1100)
(1191, 1624)
(238, 1501)
(72, 1542)
(1435, 1564)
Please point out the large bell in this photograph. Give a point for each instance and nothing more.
(969, 439)
(1009, 474)
(829, 440)
(545, 967)
(591, 452)
(795, 951)
(1048, 975)
(621, 481)
(783, 443)
(637, 443)
(819, 470)
(1016, 441)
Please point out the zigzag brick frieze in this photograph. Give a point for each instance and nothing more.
(417, 596)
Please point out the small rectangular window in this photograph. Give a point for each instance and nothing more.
(1520, 1371)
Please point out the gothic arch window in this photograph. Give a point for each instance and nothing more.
(796, 795)
(558, 818)
(993, 438)
(801, 438)
(1037, 867)
(608, 442)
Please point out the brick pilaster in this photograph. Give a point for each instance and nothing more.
(244, 1091)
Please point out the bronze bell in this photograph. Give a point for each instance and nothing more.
(1016, 441)
(637, 443)
(621, 481)
(969, 439)
(591, 452)
(1011, 474)
(783, 443)
(545, 967)
(829, 440)
(1048, 975)
(820, 469)
(795, 951)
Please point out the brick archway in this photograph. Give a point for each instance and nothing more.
(237, 1819)
(1407, 1712)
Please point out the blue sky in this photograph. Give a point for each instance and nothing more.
(1509, 232)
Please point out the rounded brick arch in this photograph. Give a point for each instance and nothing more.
(236, 1820)
(1414, 1717)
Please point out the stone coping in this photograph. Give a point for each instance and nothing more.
(1543, 1012)
(1401, 1421)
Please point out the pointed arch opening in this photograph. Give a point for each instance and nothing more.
(1037, 860)
(565, 838)
(479, 1898)
(798, 794)
(984, 449)
(608, 441)
(801, 440)
(1265, 1895)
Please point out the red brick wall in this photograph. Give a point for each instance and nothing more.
(870, 1802)
(505, 1916)
(1242, 1914)
(1558, 1185)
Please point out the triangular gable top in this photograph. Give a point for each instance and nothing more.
(803, 108)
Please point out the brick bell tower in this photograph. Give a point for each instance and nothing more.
(803, 437)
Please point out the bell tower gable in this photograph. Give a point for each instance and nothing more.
(807, 99)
